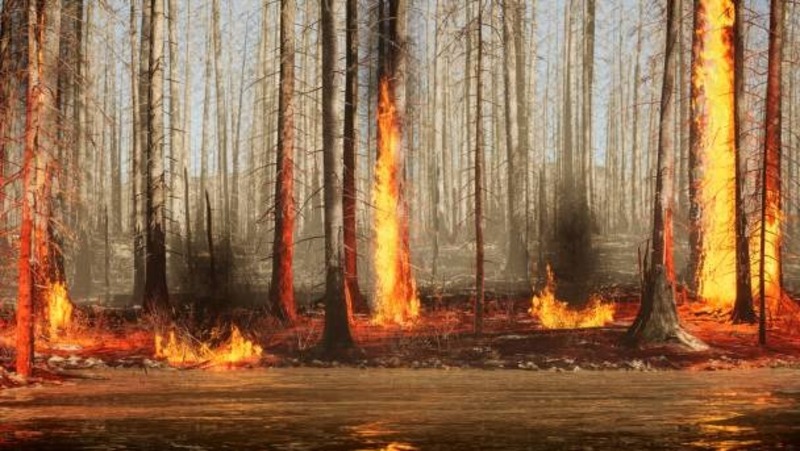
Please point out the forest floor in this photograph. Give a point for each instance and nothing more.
(441, 338)
(117, 336)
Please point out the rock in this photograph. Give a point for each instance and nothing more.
(94, 362)
(55, 361)
(530, 366)
(494, 363)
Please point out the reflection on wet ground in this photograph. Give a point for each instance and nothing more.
(337, 409)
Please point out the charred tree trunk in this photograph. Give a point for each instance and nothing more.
(743, 311)
(479, 254)
(281, 297)
(25, 306)
(657, 320)
(771, 171)
(156, 295)
(359, 303)
(336, 334)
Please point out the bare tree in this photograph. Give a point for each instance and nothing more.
(771, 209)
(657, 320)
(337, 292)
(282, 286)
(156, 295)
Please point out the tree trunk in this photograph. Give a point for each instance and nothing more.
(657, 320)
(336, 334)
(25, 307)
(140, 159)
(479, 257)
(281, 296)
(156, 296)
(743, 311)
(771, 211)
(359, 303)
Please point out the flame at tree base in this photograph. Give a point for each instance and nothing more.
(395, 290)
(181, 351)
(59, 309)
(555, 314)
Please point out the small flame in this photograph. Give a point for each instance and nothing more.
(555, 314)
(395, 290)
(179, 351)
(59, 309)
(713, 78)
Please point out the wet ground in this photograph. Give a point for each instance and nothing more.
(338, 408)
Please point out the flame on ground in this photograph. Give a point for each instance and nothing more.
(713, 78)
(181, 351)
(59, 309)
(555, 314)
(395, 291)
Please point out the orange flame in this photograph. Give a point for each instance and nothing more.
(180, 351)
(555, 314)
(59, 309)
(772, 247)
(713, 79)
(395, 291)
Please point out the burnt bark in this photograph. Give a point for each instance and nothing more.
(281, 296)
(657, 320)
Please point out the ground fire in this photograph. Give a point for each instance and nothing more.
(555, 314)
(59, 309)
(330, 225)
(180, 350)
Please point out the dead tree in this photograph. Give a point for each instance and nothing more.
(156, 295)
(478, 190)
(657, 320)
(743, 311)
(281, 296)
(359, 303)
(771, 210)
(336, 334)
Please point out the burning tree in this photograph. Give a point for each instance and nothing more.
(769, 270)
(657, 320)
(395, 291)
(281, 295)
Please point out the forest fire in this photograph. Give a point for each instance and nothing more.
(714, 83)
(59, 309)
(555, 314)
(182, 351)
(395, 290)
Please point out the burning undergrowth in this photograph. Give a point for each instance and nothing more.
(223, 347)
(555, 314)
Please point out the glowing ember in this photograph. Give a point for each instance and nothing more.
(713, 78)
(555, 314)
(395, 292)
(179, 351)
(59, 309)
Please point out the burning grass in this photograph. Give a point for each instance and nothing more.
(181, 349)
(555, 314)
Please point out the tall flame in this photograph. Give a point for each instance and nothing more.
(395, 291)
(713, 80)
(59, 309)
(555, 314)
(180, 351)
(772, 244)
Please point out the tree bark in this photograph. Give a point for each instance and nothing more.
(336, 334)
(743, 311)
(281, 296)
(156, 295)
(657, 320)
(359, 303)
(479, 252)
(771, 208)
